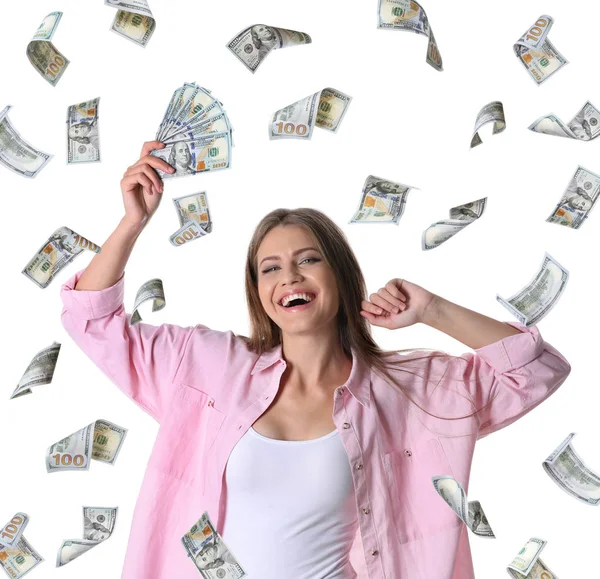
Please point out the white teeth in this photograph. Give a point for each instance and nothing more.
(287, 299)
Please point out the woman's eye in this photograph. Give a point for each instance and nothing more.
(310, 258)
(269, 269)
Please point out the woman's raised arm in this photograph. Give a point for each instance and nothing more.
(142, 191)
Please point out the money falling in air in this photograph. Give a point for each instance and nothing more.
(98, 525)
(540, 295)
(43, 55)
(491, 113)
(325, 109)
(409, 15)
(133, 20)
(584, 126)
(194, 218)
(83, 145)
(382, 201)
(17, 154)
(253, 44)
(537, 53)
(151, 290)
(39, 371)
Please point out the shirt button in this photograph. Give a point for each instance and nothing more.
(346, 425)
(366, 510)
(266, 397)
(341, 391)
(239, 426)
(408, 452)
(359, 466)
(374, 552)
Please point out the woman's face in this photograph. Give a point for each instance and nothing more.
(288, 261)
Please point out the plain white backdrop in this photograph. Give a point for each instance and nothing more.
(407, 122)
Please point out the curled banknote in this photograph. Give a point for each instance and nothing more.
(382, 201)
(325, 109)
(537, 53)
(570, 473)
(460, 217)
(471, 513)
(409, 15)
(207, 550)
(152, 290)
(83, 144)
(253, 44)
(194, 218)
(11, 533)
(98, 525)
(133, 20)
(61, 248)
(491, 113)
(584, 126)
(578, 199)
(540, 295)
(17, 154)
(527, 563)
(101, 440)
(17, 560)
(43, 55)
(39, 371)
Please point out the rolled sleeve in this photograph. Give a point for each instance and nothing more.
(508, 378)
(92, 304)
(141, 360)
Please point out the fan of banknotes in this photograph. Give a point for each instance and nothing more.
(196, 132)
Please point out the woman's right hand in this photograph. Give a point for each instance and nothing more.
(142, 187)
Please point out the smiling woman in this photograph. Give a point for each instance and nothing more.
(311, 448)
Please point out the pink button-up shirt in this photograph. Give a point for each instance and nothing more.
(206, 388)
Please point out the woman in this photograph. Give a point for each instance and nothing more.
(310, 448)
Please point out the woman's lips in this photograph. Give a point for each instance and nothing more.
(299, 308)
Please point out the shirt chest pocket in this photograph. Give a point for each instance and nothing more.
(417, 508)
(186, 435)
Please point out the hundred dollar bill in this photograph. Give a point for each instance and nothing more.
(569, 472)
(209, 553)
(101, 440)
(491, 113)
(43, 55)
(325, 109)
(471, 513)
(525, 561)
(11, 533)
(540, 295)
(83, 144)
(409, 15)
(584, 126)
(38, 373)
(19, 559)
(17, 154)
(538, 571)
(133, 20)
(382, 201)
(151, 290)
(253, 44)
(206, 153)
(62, 247)
(218, 123)
(98, 525)
(578, 199)
(460, 217)
(194, 218)
(537, 53)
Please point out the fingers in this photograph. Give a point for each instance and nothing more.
(148, 172)
(387, 302)
(151, 146)
(139, 179)
(394, 290)
(156, 163)
(371, 308)
(376, 320)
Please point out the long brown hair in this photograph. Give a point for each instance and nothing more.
(354, 330)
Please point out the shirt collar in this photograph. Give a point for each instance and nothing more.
(358, 383)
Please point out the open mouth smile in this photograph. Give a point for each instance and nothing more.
(297, 301)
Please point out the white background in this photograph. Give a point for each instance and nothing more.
(407, 123)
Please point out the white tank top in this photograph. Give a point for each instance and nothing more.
(290, 508)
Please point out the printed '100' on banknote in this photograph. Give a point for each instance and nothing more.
(43, 55)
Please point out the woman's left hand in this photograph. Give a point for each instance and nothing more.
(397, 305)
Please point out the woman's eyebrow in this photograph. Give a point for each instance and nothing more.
(295, 253)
